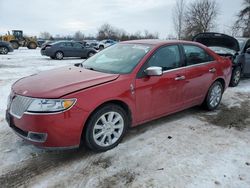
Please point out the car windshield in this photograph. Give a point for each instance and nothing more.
(117, 59)
(221, 50)
(241, 43)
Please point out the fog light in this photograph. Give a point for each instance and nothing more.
(37, 137)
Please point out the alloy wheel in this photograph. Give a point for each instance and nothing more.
(215, 96)
(3, 50)
(108, 129)
(59, 55)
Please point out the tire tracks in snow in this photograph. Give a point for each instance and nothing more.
(23, 173)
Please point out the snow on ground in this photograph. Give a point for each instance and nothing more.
(193, 148)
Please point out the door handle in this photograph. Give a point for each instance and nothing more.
(212, 70)
(180, 78)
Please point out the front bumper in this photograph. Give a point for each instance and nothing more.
(10, 49)
(61, 130)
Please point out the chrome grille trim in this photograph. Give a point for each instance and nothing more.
(19, 105)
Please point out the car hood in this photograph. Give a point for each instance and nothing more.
(217, 40)
(59, 82)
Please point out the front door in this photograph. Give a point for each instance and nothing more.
(159, 95)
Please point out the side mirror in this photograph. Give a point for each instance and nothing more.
(248, 51)
(154, 71)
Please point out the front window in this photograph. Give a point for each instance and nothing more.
(167, 57)
(117, 59)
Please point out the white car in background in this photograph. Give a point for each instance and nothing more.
(106, 43)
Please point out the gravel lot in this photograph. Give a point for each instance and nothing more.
(193, 148)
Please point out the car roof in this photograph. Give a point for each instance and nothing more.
(156, 42)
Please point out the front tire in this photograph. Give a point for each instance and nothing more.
(106, 128)
(59, 55)
(214, 96)
(4, 50)
(235, 78)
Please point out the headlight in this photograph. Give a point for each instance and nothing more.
(50, 105)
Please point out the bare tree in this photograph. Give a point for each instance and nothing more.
(200, 17)
(106, 31)
(243, 22)
(45, 35)
(178, 17)
(78, 35)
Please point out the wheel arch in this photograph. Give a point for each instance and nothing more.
(222, 81)
(118, 102)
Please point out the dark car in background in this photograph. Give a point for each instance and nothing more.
(5, 47)
(238, 50)
(61, 49)
(40, 42)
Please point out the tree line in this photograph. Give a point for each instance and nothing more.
(106, 31)
(199, 16)
(189, 19)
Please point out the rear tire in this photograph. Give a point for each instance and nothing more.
(4, 50)
(14, 44)
(214, 96)
(106, 128)
(59, 55)
(235, 78)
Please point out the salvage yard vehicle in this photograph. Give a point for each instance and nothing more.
(244, 55)
(105, 43)
(17, 39)
(5, 47)
(227, 46)
(125, 85)
(61, 49)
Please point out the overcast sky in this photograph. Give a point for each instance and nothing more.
(67, 16)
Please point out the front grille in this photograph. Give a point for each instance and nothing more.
(19, 105)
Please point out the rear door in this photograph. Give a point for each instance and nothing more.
(201, 69)
(158, 95)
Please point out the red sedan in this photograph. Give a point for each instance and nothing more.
(120, 87)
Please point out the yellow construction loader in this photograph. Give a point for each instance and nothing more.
(18, 40)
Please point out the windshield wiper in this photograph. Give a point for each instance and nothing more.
(89, 68)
